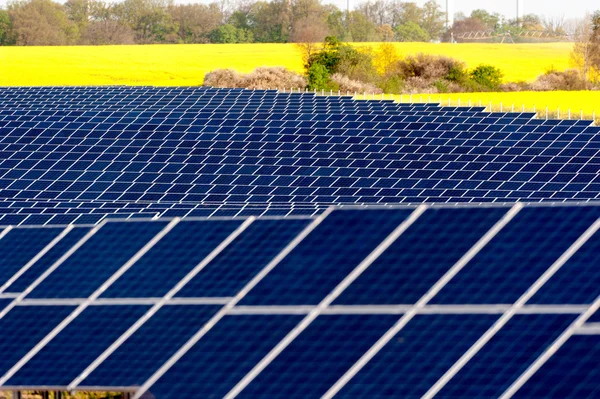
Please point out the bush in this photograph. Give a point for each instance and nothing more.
(273, 78)
(260, 78)
(391, 84)
(347, 85)
(318, 77)
(488, 77)
(429, 67)
(566, 80)
(417, 84)
(222, 78)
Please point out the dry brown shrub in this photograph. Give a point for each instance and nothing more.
(565, 80)
(427, 66)
(273, 78)
(347, 85)
(227, 78)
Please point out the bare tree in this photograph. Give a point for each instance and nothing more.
(308, 34)
(555, 25)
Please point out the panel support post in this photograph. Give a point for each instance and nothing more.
(16, 394)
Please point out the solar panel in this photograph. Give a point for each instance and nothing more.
(270, 285)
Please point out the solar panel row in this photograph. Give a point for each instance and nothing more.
(409, 302)
(301, 162)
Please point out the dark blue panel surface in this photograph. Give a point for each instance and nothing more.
(169, 260)
(577, 281)
(96, 260)
(78, 345)
(223, 356)
(48, 259)
(23, 327)
(325, 257)
(151, 346)
(417, 356)
(420, 256)
(20, 245)
(595, 318)
(243, 258)
(518, 255)
(506, 356)
(573, 372)
(319, 356)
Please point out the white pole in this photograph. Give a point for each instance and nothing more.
(523, 109)
(411, 98)
(558, 113)
(421, 99)
(513, 108)
(469, 102)
(581, 114)
(500, 106)
(546, 112)
(569, 113)
(459, 102)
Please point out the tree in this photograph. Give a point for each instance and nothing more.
(411, 32)
(434, 19)
(385, 33)
(104, 26)
(270, 21)
(41, 23)
(360, 29)
(491, 21)
(586, 51)
(308, 33)
(149, 19)
(195, 22)
(7, 36)
(464, 26)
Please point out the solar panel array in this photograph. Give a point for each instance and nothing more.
(224, 243)
(444, 301)
(79, 154)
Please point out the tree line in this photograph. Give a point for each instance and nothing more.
(98, 22)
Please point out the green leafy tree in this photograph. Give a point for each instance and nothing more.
(411, 32)
(7, 37)
(41, 23)
(487, 76)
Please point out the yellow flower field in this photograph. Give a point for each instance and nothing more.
(186, 64)
(558, 102)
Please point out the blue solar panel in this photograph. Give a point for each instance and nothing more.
(96, 260)
(23, 327)
(577, 281)
(319, 356)
(75, 347)
(58, 250)
(518, 255)
(324, 258)
(243, 258)
(174, 256)
(149, 347)
(420, 256)
(417, 356)
(571, 373)
(223, 356)
(506, 356)
(19, 246)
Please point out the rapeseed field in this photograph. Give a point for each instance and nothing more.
(177, 65)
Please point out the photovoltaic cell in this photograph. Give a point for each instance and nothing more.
(169, 260)
(23, 327)
(58, 250)
(325, 257)
(595, 318)
(223, 356)
(573, 372)
(20, 245)
(577, 281)
(420, 256)
(506, 356)
(518, 255)
(75, 347)
(97, 259)
(249, 253)
(151, 346)
(417, 356)
(318, 356)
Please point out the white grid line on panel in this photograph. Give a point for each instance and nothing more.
(48, 271)
(588, 329)
(552, 349)
(439, 285)
(37, 257)
(505, 318)
(63, 324)
(358, 270)
(152, 311)
(225, 310)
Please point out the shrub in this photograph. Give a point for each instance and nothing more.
(347, 85)
(260, 78)
(391, 84)
(271, 78)
(318, 77)
(566, 80)
(429, 67)
(417, 84)
(222, 78)
(488, 77)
